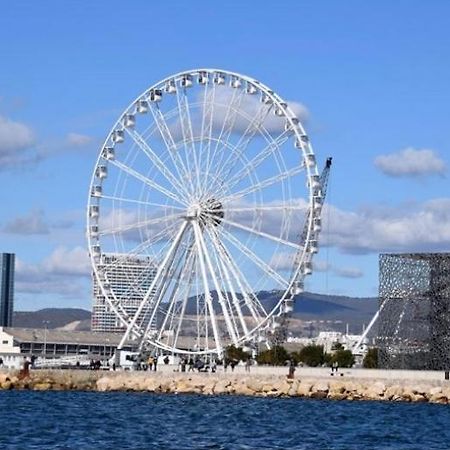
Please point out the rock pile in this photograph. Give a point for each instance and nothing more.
(224, 384)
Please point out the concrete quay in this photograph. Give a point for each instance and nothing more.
(354, 384)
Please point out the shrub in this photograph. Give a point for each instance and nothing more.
(276, 356)
(370, 361)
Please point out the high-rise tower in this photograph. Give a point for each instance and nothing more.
(6, 288)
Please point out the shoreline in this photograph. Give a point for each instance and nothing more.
(346, 387)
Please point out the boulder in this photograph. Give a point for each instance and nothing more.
(320, 386)
(304, 389)
(6, 385)
(254, 385)
(103, 384)
(42, 386)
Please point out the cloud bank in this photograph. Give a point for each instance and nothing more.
(411, 162)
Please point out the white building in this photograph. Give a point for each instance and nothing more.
(9, 353)
(126, 280)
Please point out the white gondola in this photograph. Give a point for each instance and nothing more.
(317, 203)
(291, 124)
(155, 95)
(280, 111)
(94, 231)
(250, 89)
(304, 138)
(94, 211)
(186, 81)
(307, 268)
(219, 78)
(313, 246)
(266, 99)
(296, 288)
(202, 78)
(310, 160)
(108, 153)
(170, 87)
(317, 224)
(288, 306)
(129, 121)
(142, 106)
(101, 172)
(235, 82)
(96, 191)
(96, 250)
(118, 136)
(314, 182)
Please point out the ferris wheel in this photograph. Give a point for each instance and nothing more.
(204, 213)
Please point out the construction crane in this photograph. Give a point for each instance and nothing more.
(283, 319)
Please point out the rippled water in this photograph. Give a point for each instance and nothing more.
(84, 420)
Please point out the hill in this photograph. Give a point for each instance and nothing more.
(308, 307)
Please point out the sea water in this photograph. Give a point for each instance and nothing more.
(88, 420)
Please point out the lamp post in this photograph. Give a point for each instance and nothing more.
(45, 322)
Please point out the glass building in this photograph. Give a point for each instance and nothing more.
(6, 289)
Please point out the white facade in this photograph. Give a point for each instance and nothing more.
(126, 280)
(9, 353)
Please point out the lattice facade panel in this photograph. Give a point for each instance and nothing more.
(414, 320)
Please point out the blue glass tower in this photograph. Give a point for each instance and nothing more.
(6, 289)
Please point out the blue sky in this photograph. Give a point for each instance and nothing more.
(372, 75)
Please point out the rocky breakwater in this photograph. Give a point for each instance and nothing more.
(229, 384)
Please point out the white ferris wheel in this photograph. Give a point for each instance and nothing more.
(208, 184)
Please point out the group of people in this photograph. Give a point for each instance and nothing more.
(95, 365)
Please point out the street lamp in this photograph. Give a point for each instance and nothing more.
(45, 322)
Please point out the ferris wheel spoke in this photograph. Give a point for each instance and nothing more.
(225, 132)
(173, 298)
(188, 136)
(226, 288)
(251, 300)
(206, 131)
(158, 163)
(256, 259)
(169, 142)
(222, 263)
(260, 233)
(142, 224)
(264, 183)
(142, 178)
(253, 164)
(207, 292)
(162, 270)
(140, 202)
(254, 126)
(261, 207)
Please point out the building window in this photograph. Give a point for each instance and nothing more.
(5, 342)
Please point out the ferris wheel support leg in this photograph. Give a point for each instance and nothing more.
(206, 286)
(222, 259)
(222, 301)
(161, 269)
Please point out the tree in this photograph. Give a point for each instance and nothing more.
(276, 356)
(236, 354)
(370, 361)
(312, 355)
(344, 358)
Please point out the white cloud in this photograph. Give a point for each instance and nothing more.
(418, 227)
(16, 142)
(411, 162)
(249, 108)
(78, 140)
(32, 223)
(348, 272)
(61, 273)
